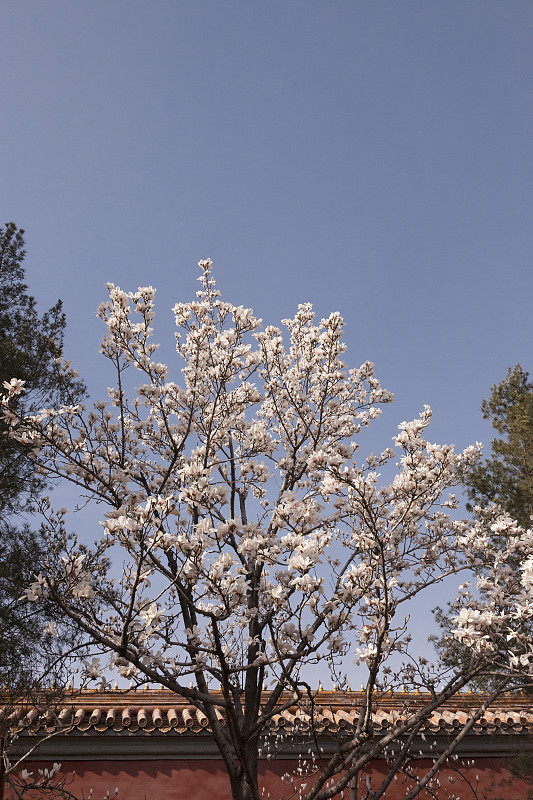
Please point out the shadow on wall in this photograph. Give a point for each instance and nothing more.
(198, 779)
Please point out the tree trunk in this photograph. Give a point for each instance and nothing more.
(244, 784)
(241, 789)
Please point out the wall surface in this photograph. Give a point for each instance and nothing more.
(206, 779)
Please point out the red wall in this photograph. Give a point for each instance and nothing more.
(206, 780)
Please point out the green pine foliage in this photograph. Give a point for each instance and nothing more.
(506, 477)
(30, 346)
(21, 629)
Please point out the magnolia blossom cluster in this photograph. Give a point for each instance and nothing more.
(243, 538)
(499, 621)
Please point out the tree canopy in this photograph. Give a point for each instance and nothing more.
(245, 541)
(506, 477)
(30, 351)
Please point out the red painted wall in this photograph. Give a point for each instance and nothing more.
(206, 780)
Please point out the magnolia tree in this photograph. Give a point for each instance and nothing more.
(245, 542)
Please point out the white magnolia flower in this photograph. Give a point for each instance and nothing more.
(152, 616)
(14, 386)
(93, 669)
(51, 629)
(37, 590)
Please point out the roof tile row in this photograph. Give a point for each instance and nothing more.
(164, 712)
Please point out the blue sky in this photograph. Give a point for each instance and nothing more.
(371, 157)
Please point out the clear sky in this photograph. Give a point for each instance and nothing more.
(371, 157)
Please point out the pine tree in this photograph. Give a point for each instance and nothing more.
(506, 477)
(30, 346)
